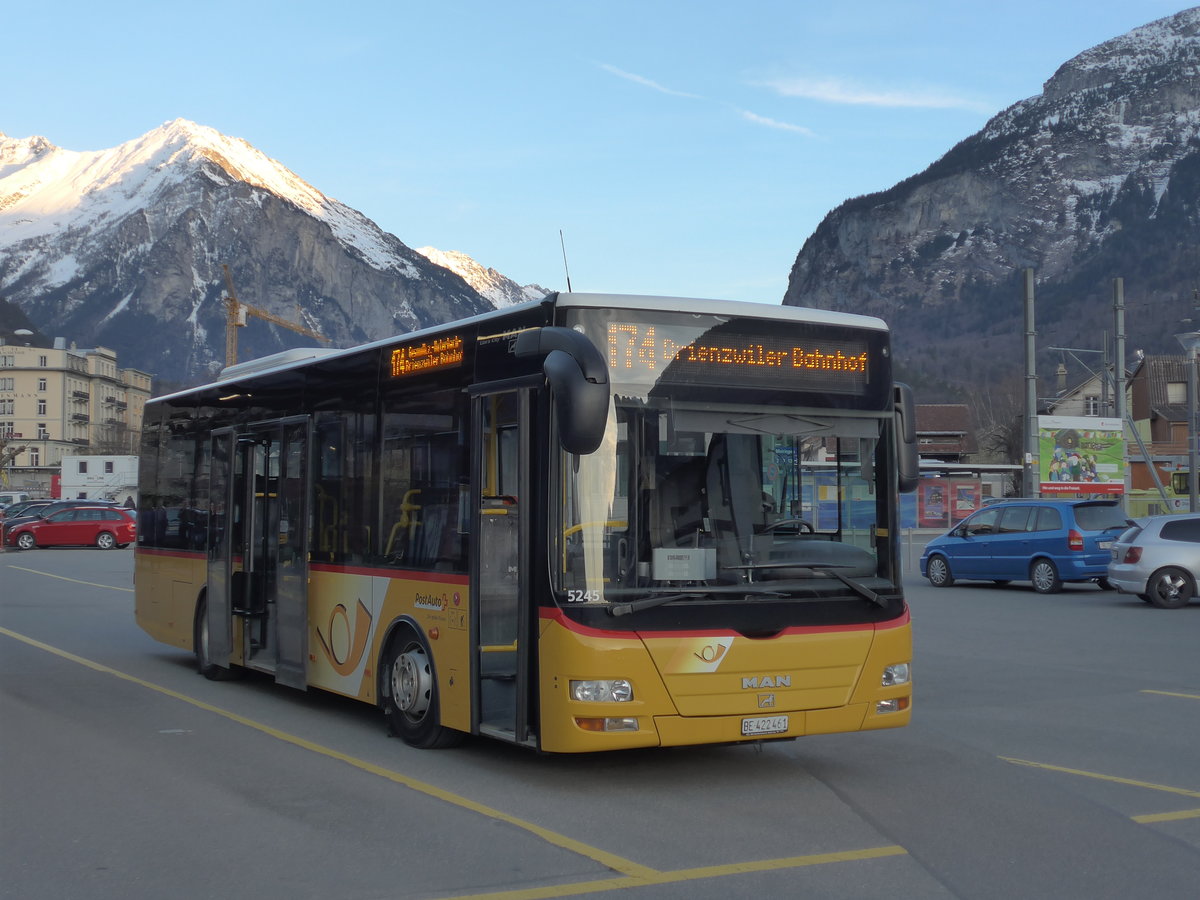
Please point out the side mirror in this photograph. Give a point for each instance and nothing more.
(908, 459)
(578, 378)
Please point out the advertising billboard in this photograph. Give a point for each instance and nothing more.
(1081, 455)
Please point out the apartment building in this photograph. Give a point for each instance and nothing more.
(63, 401)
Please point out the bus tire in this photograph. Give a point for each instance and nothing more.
(204, 663)
(409, 694)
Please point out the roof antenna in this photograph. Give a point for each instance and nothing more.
(565, 268)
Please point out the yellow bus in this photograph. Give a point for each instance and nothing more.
(586, 523)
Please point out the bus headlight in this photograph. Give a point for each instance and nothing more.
(895, 674)
(616, 690)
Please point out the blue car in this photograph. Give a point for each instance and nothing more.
(1046, 542)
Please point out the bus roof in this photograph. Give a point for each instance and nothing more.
(302, 356)
(720, 308)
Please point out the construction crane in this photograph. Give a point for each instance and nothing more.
(235, 317)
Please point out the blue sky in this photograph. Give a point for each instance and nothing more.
(681, 148)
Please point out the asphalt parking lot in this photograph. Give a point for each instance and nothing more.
(1052, 754)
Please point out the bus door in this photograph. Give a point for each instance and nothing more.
(502, 609)
(258, 558)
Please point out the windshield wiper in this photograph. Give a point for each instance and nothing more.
(858, 587)
(822, 569)
(624, 609)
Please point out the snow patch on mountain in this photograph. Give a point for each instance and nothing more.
(46, 190)
(499, 289)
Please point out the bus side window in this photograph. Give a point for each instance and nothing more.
(424, 475)
(342, 517)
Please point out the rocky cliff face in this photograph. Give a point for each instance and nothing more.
(1095, 178)
(124, 248)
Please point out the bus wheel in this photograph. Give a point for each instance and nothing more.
(410, 699)
(204, 663)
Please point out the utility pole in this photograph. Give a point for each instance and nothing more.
(1031, 470)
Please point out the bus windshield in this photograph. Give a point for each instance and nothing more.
(697, 499)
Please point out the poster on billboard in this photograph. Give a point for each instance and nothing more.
(1081, 455)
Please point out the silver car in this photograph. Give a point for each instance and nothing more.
(1158, 559)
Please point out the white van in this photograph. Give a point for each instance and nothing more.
(8, 498)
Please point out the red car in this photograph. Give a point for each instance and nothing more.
(104, 526)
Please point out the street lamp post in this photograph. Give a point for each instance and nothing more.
(1191, 343)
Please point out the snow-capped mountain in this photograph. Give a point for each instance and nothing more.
(125, 248)
(499, 289)
(1096, 177)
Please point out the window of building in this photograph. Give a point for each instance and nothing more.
(41, 384)
(1091, 406)
(7, 360)
(42, 433)
(8, 407)
(108, 467)
(7, 384)
(1176, 392)
(43, 361)
(35, 456)
(41, 407)
(83, 467)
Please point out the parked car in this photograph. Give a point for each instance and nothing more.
(1047, 542)
(103, 526)
(18, 509)
(1158, 558)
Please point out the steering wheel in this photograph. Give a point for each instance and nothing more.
(802, 526)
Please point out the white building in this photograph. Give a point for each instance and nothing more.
(99, 478)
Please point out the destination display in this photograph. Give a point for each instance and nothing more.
(685, 354)
(427, 356)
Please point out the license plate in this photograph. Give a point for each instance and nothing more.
(764, 725)
(1104, 545)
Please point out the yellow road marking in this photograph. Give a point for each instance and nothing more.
(1147, 819)
(635, 873)
(679, 875)
(72, 580)
(1098, 776)
(1168, 817)
(1173, 694)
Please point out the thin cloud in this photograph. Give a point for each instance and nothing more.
(646, 82)
(838, 91)
(774, 123)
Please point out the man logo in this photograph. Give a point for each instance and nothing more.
(766, 681)
(766, 701)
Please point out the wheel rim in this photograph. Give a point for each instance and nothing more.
(412, 683)
(1043, 576)
(105, 541)
(25, 541)
(937, 570)
(1169, 586)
